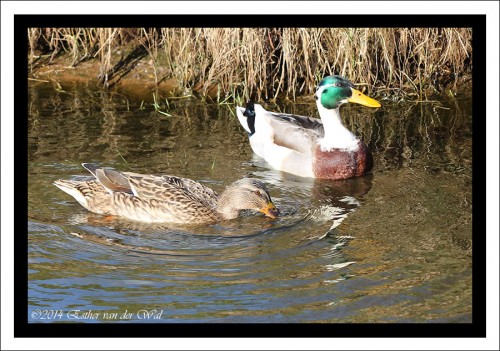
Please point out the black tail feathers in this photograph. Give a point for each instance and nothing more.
(250, 115)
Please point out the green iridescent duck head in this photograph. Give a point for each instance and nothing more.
(334, 91)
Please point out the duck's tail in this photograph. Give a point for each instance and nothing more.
(246, 116)
(76, 189)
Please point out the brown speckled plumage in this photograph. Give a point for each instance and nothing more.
(157, 199)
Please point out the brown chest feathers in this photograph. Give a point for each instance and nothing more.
(342, 164)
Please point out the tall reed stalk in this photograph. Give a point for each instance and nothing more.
(270, 62)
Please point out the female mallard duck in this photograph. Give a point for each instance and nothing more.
(157, 199)
(311, 147)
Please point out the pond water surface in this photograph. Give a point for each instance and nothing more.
(393, 246)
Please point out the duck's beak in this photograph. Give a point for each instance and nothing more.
(270, 210)
(360, 98)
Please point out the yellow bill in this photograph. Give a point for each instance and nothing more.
(360, 98)
(270, 210)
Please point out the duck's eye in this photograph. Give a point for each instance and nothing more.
(337, 84)
(257, 192)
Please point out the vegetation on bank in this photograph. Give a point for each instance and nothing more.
(265, 63)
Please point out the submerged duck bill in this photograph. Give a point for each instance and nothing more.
(360, 98)
(270, 210)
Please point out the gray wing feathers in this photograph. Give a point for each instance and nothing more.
(296, 132)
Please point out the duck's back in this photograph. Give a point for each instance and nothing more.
(285, 141)
(166, 199)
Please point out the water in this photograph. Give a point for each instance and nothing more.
(394, 246)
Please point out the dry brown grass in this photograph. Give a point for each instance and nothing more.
(269, 63)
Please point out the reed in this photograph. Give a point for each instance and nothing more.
(267, 63)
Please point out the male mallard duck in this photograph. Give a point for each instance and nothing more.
(311, 147)
(150, 198)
